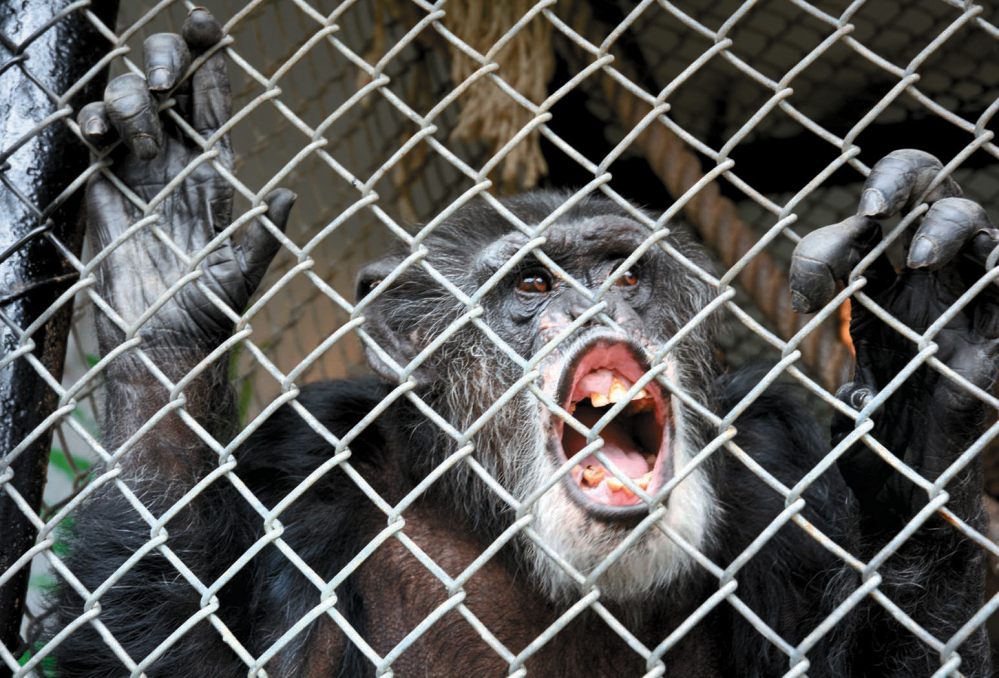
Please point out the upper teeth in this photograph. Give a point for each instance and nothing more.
(618, 391)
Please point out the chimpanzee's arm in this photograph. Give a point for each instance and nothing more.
(172, 278)
(928, 421)
(141, 271)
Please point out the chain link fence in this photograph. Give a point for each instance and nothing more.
(749, 124)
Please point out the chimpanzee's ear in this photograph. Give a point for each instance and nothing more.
(387, 321)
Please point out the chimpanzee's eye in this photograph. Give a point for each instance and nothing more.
(627, 279)
(534, 282)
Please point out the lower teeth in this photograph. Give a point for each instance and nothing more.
(592, 476)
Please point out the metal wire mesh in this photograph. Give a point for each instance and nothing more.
(775, 110)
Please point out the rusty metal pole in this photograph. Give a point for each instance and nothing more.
(44, 50)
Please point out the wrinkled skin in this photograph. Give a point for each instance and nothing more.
(792, 583)
(931, 416)
(137, 274)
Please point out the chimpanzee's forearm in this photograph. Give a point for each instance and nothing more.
(152, 424)
(135, 398)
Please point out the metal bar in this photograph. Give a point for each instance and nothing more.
(46, 47)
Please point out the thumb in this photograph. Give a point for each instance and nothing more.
(259, 245)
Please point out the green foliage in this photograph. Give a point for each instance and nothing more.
(41, 581)
(46, 666)
(66, 529)
(58, 459)
(245, 395)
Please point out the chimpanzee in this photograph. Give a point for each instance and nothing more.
(465, 483)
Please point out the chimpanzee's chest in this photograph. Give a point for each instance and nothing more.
(488, 617)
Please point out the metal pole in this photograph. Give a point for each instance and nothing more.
(42, 54)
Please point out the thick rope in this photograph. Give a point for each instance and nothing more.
(526, 62)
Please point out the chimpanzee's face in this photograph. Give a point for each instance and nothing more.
(559, 359)
(598, 360)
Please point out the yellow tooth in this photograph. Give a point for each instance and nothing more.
(593, 475)
(641, 394)
(643, 482)
(598, 399)
(615, 485)
(617, 391)
(650, 459)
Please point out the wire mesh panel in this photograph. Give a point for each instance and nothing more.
(572, 433)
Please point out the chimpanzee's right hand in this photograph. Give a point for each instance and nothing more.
(930, 419)
(140, 269)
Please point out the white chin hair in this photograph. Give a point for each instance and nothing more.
(652, 562)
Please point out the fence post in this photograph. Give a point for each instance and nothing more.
(39, 50)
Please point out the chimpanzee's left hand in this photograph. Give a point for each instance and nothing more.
(139, 271)
(930, 419)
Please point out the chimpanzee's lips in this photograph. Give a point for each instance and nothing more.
(637, 441)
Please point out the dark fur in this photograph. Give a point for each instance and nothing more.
(787, 584)
(792, 583)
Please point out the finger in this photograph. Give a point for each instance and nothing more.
(863, 470)
(956, 412)
(949, 225)
(865, 473)
(95, 126)
(826, 256)
(167, 58)
(211, 98)
(259, 246)
(899, 180)
(985, 314)
(982, 243)
(108, 212)
(856, 394)
(134, 114)
(201, 29)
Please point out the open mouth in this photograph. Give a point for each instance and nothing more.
(637, 441)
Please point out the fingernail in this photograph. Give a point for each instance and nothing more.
(159, 79)
(923, 252)
(799, 304)
(872, 203)
(145, 147)
(95, 127)
(201, 28)
(860, 398)
(199, 14)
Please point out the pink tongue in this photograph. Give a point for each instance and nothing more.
(630, 463)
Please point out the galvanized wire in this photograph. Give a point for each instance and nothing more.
(370, 129)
